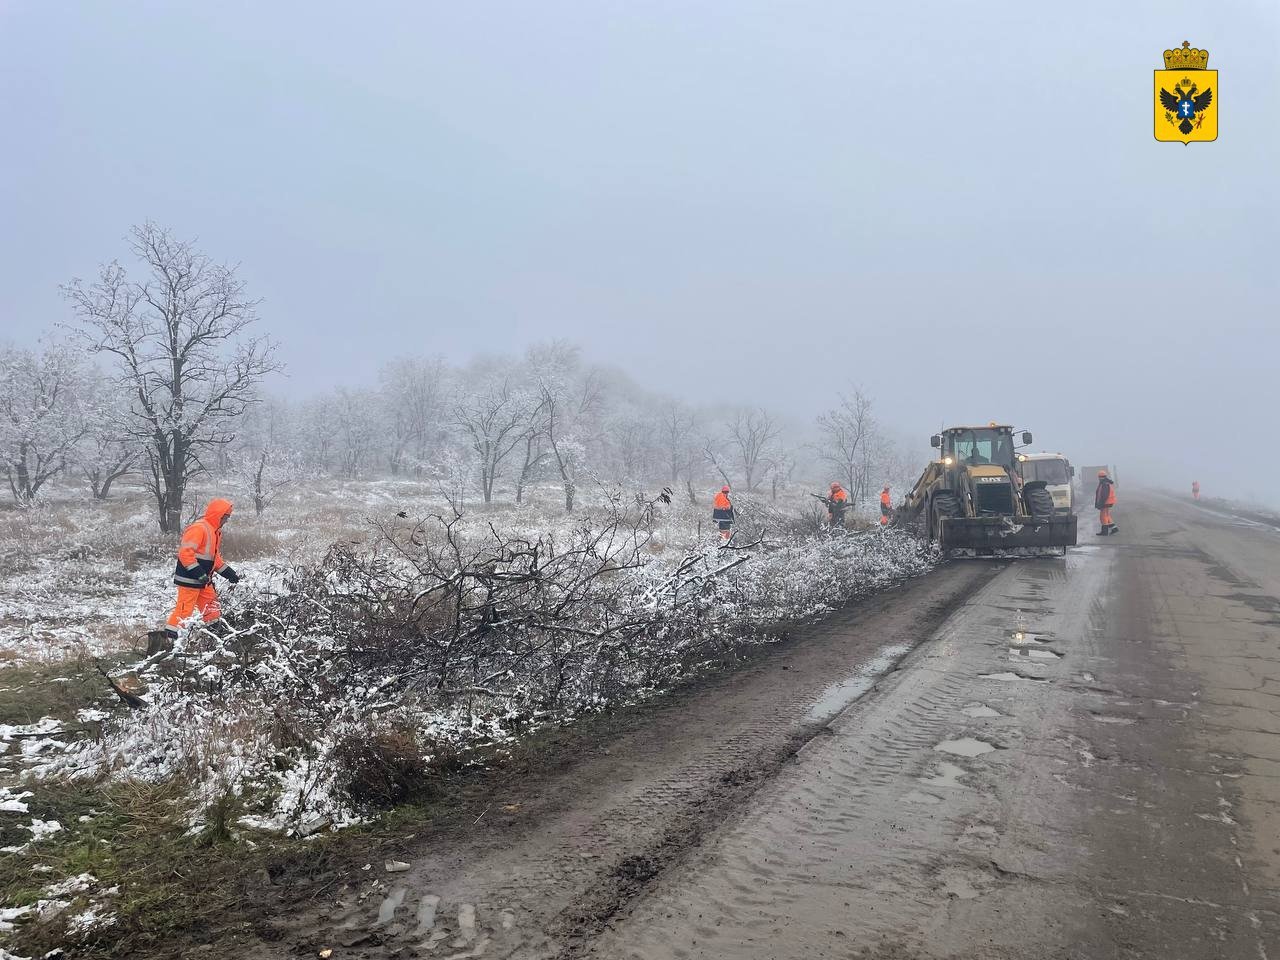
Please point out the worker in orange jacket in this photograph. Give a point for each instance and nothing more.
(886, 506)
(1104, 498)
(837, 503)
(722, 512)
(199, 558)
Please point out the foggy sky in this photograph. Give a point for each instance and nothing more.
(958, 205)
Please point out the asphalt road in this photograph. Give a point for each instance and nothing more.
(1060, 758)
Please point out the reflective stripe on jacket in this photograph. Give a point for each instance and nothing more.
(199, 552)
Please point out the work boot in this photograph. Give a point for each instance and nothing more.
(1114, 529)
(1102, 533)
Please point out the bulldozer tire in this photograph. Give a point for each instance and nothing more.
(1039, 503)
(944, 505)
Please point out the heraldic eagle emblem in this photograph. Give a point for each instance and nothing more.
(1186, 104)
(1186, 96)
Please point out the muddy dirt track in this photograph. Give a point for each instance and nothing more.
(1074, 758)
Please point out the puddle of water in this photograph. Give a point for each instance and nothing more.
(948, 775)
(844, 692)
(965, 747)
(980, 710)
(1020, 634)
(1008, 677)
(387, 909)
(1034, 653)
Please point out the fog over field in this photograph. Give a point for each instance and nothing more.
(959, 207)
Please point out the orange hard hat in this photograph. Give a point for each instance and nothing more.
(725, 488)
(834, 485)
(1102, 473)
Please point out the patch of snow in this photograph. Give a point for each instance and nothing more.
(71, 885)
(10, 914)
(11, 802)
(91, 918)
(42, 727)
(40, 829)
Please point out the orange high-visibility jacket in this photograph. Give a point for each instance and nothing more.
(839, 496)
(199, 553)
(885, 499)
(1105, 496)
(722, 508)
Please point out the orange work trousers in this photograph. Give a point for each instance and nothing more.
(1104, 517)
(191, 599)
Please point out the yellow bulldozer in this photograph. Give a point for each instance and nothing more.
(972, 499)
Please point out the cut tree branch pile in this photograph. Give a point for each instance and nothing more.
(448, 636)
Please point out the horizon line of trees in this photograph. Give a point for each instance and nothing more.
(182, 395)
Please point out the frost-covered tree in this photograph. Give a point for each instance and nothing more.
(633, 437)
(266, 458)
(493, 418)
(414, 390)
(313, 434)
(845, 441)
(106, 451)
(571, 401)
(751, 435)
(677, 436)
(180, 339)
(357, 429)
(532, 449)
(41, 415)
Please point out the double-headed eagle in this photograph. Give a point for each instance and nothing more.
(1185, 104)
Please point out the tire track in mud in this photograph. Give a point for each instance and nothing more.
(987, 803)
(903, 813)
(602, 832)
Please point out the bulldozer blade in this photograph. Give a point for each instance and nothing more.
(992, 534)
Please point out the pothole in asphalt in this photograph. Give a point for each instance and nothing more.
(965, 747)
(948, 775)
(1110, 718)
(1009, 677)
(958, 885)
(1033, 653)
(1025, 636)
(844, 692)
(980, 710)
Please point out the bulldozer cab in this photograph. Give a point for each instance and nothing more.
(971, 446)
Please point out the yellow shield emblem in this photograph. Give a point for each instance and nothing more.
(1186, 96)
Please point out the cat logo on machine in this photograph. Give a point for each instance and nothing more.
(1186, 97)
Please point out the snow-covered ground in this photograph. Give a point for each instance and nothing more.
(79, 579)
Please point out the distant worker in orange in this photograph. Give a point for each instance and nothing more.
(722, 513)
(1104, 498)
(837, 503)
(1195, 489)
(199, 558)
(886, 506)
